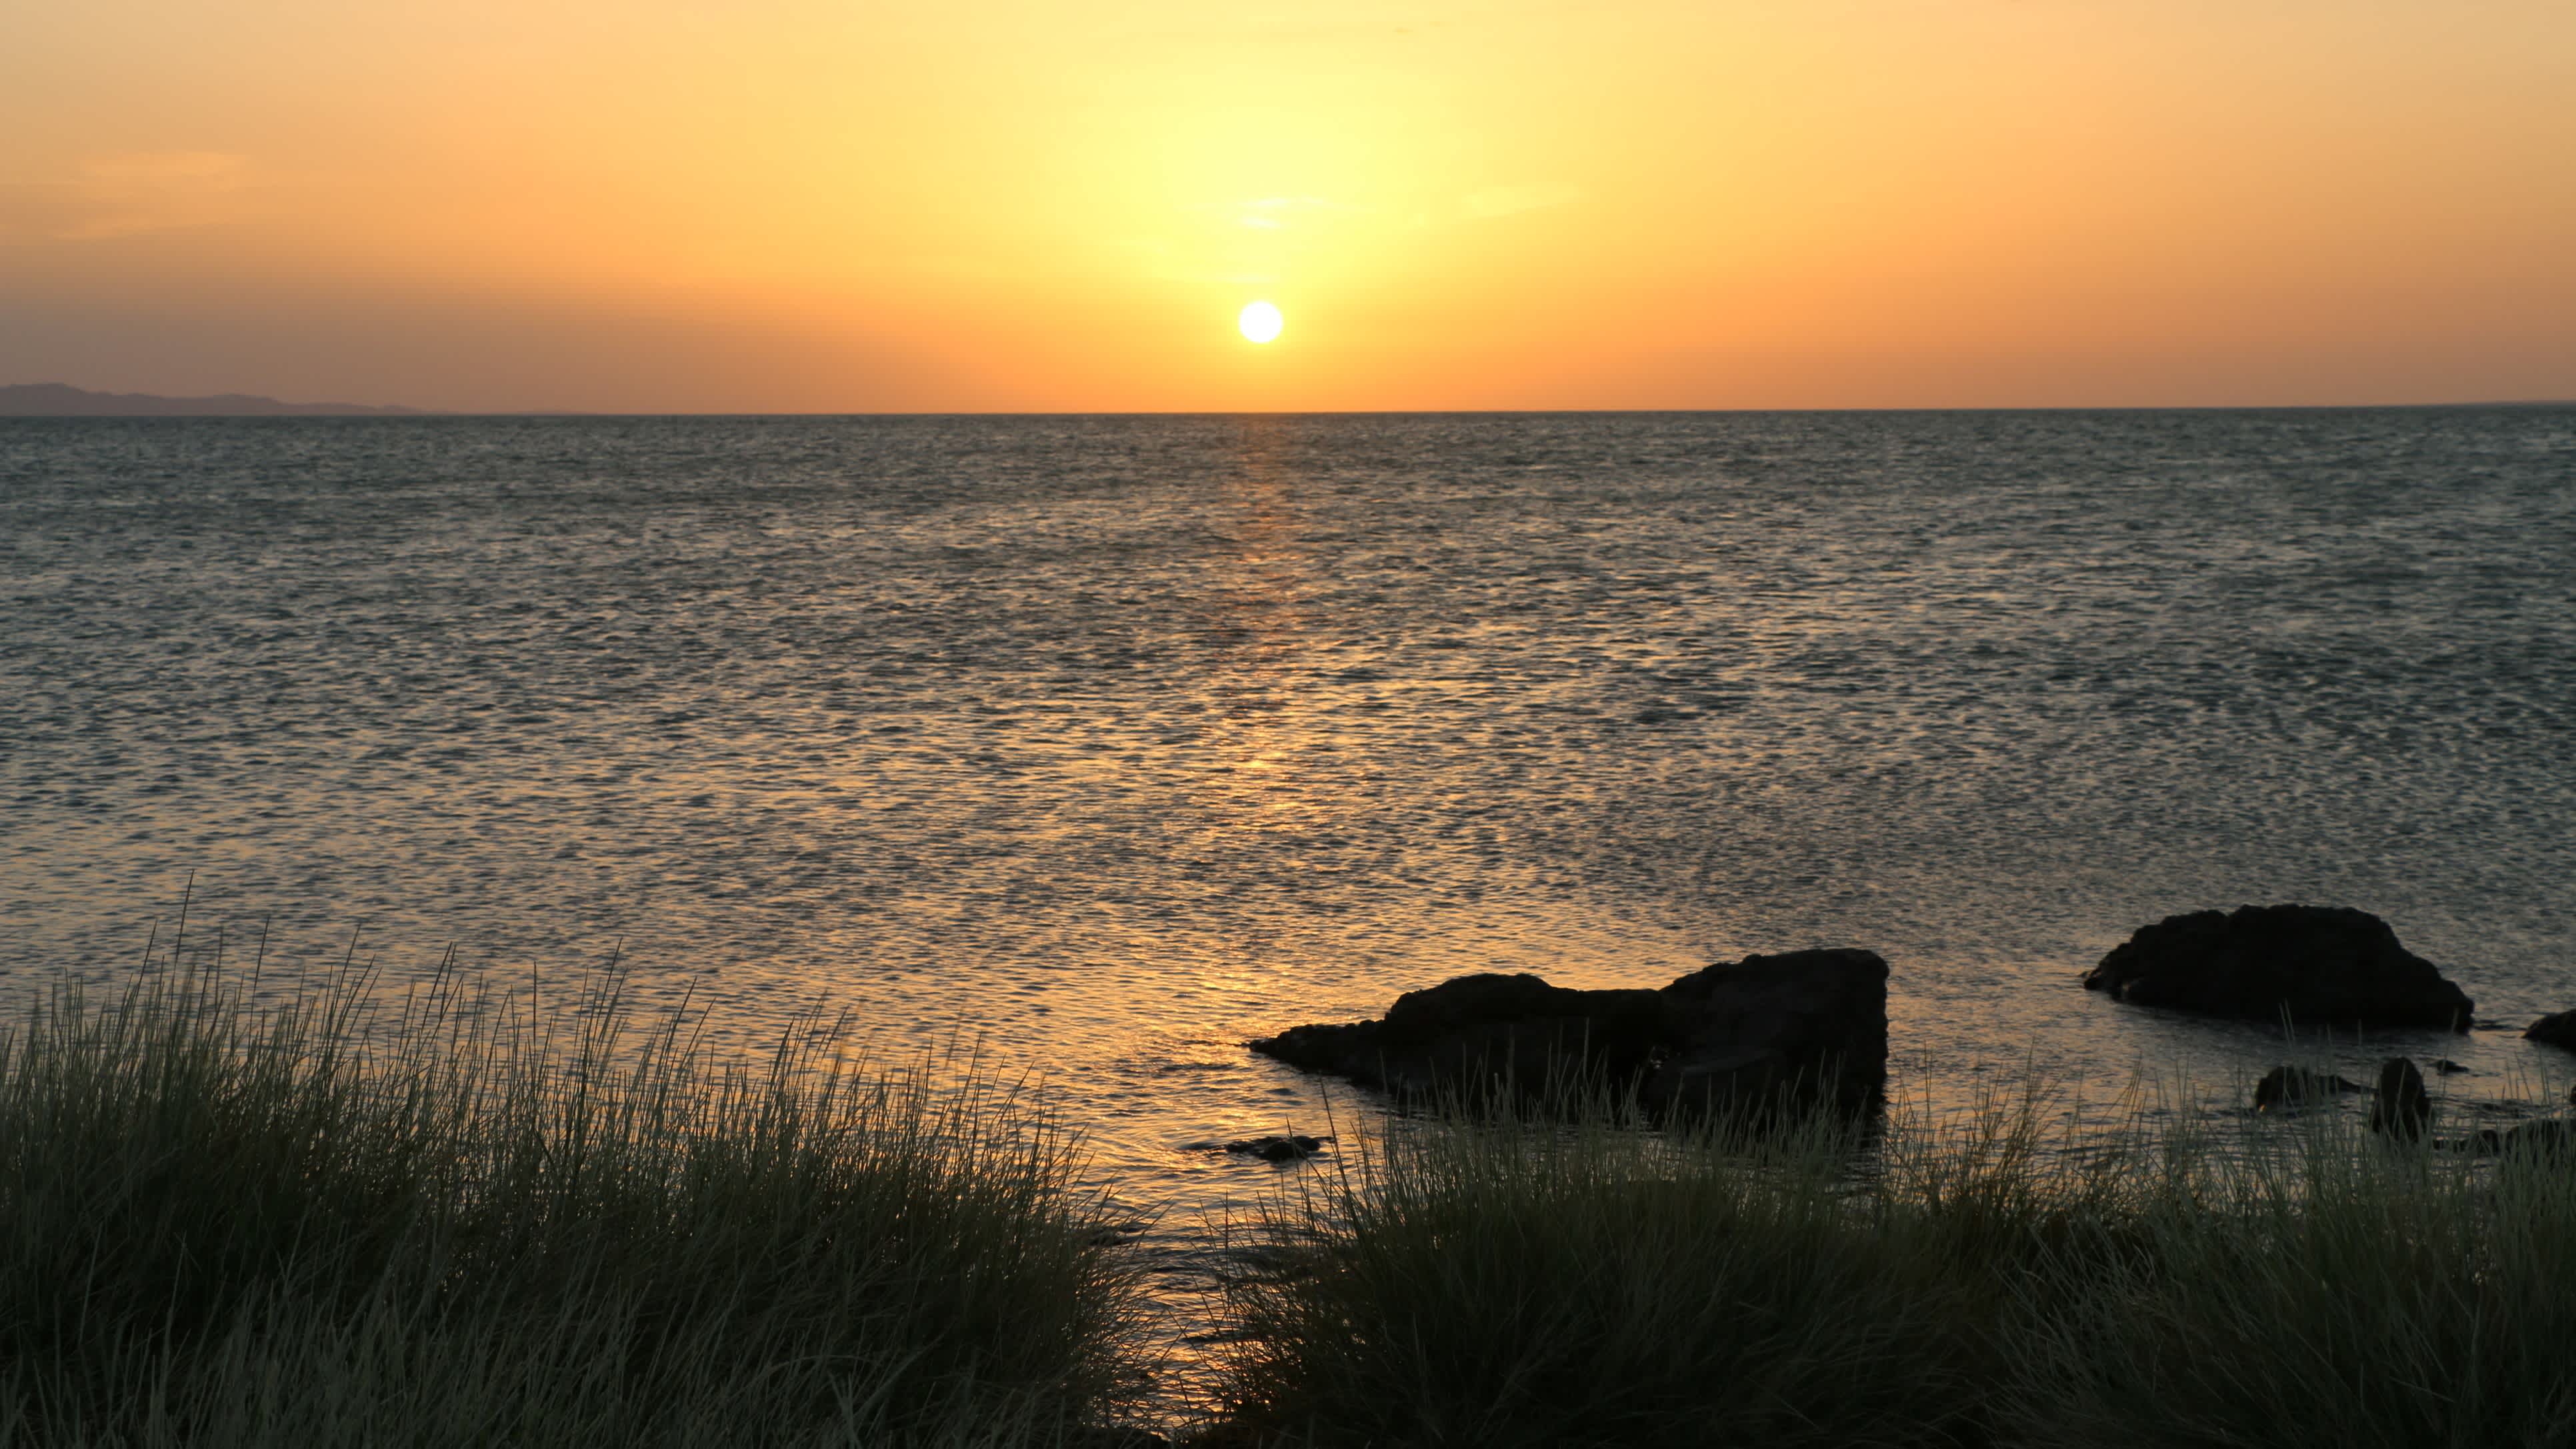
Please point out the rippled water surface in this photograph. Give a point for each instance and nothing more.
(1114, 742)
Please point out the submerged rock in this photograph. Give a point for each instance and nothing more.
(2549, 1138)
(1801, 1027)
(2558, 1030)
(2287, 1088)
(2450, 1068)
(2403, 1109)
(2317, 965)
(1287, 1148)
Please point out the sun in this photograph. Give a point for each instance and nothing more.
(1260, 322)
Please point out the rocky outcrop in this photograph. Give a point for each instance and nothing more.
(2320, 966)
(2402, 1108)
(1766, 1031)
(2286, 1089)
(2558, 1030)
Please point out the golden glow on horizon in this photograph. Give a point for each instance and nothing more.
(1260, 322)
(840, 205)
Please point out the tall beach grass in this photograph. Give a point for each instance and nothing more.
(1490, 1279)
(457, 1217)
(232, 1214)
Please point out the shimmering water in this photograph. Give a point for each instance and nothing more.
(1115, 741)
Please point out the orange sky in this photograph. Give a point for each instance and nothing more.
(789, 205)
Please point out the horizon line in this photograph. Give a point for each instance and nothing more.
(398, 413)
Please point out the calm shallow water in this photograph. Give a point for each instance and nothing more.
(1113, 742)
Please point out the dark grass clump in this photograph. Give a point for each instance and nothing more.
(1480, 1279)
(467, 1221)
(2326, 1288)
(1507, 1282)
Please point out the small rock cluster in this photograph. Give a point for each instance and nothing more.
(2400, 1108)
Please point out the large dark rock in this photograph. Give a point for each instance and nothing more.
(2321, 966)
(1802, 1027)
(2558, 1031)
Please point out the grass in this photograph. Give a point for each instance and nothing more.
(456, 1219)
(1488, 1280)
(332, 1216)
(2327, 1289)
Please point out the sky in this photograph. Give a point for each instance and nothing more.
(1008, 205)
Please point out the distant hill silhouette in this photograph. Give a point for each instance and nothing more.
(58, 400)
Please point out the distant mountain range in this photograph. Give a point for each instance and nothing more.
(57, 400)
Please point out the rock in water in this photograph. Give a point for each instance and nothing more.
(2551, 1139)
(2289, 1088)
(1801, 1027)
(2322, 966)
(1288, 1147)
(2545, 1140)
(2558, 1030)
(2402, 1109)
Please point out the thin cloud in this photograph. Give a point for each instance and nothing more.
(128, 194)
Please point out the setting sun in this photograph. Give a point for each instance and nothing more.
(1261, 322)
